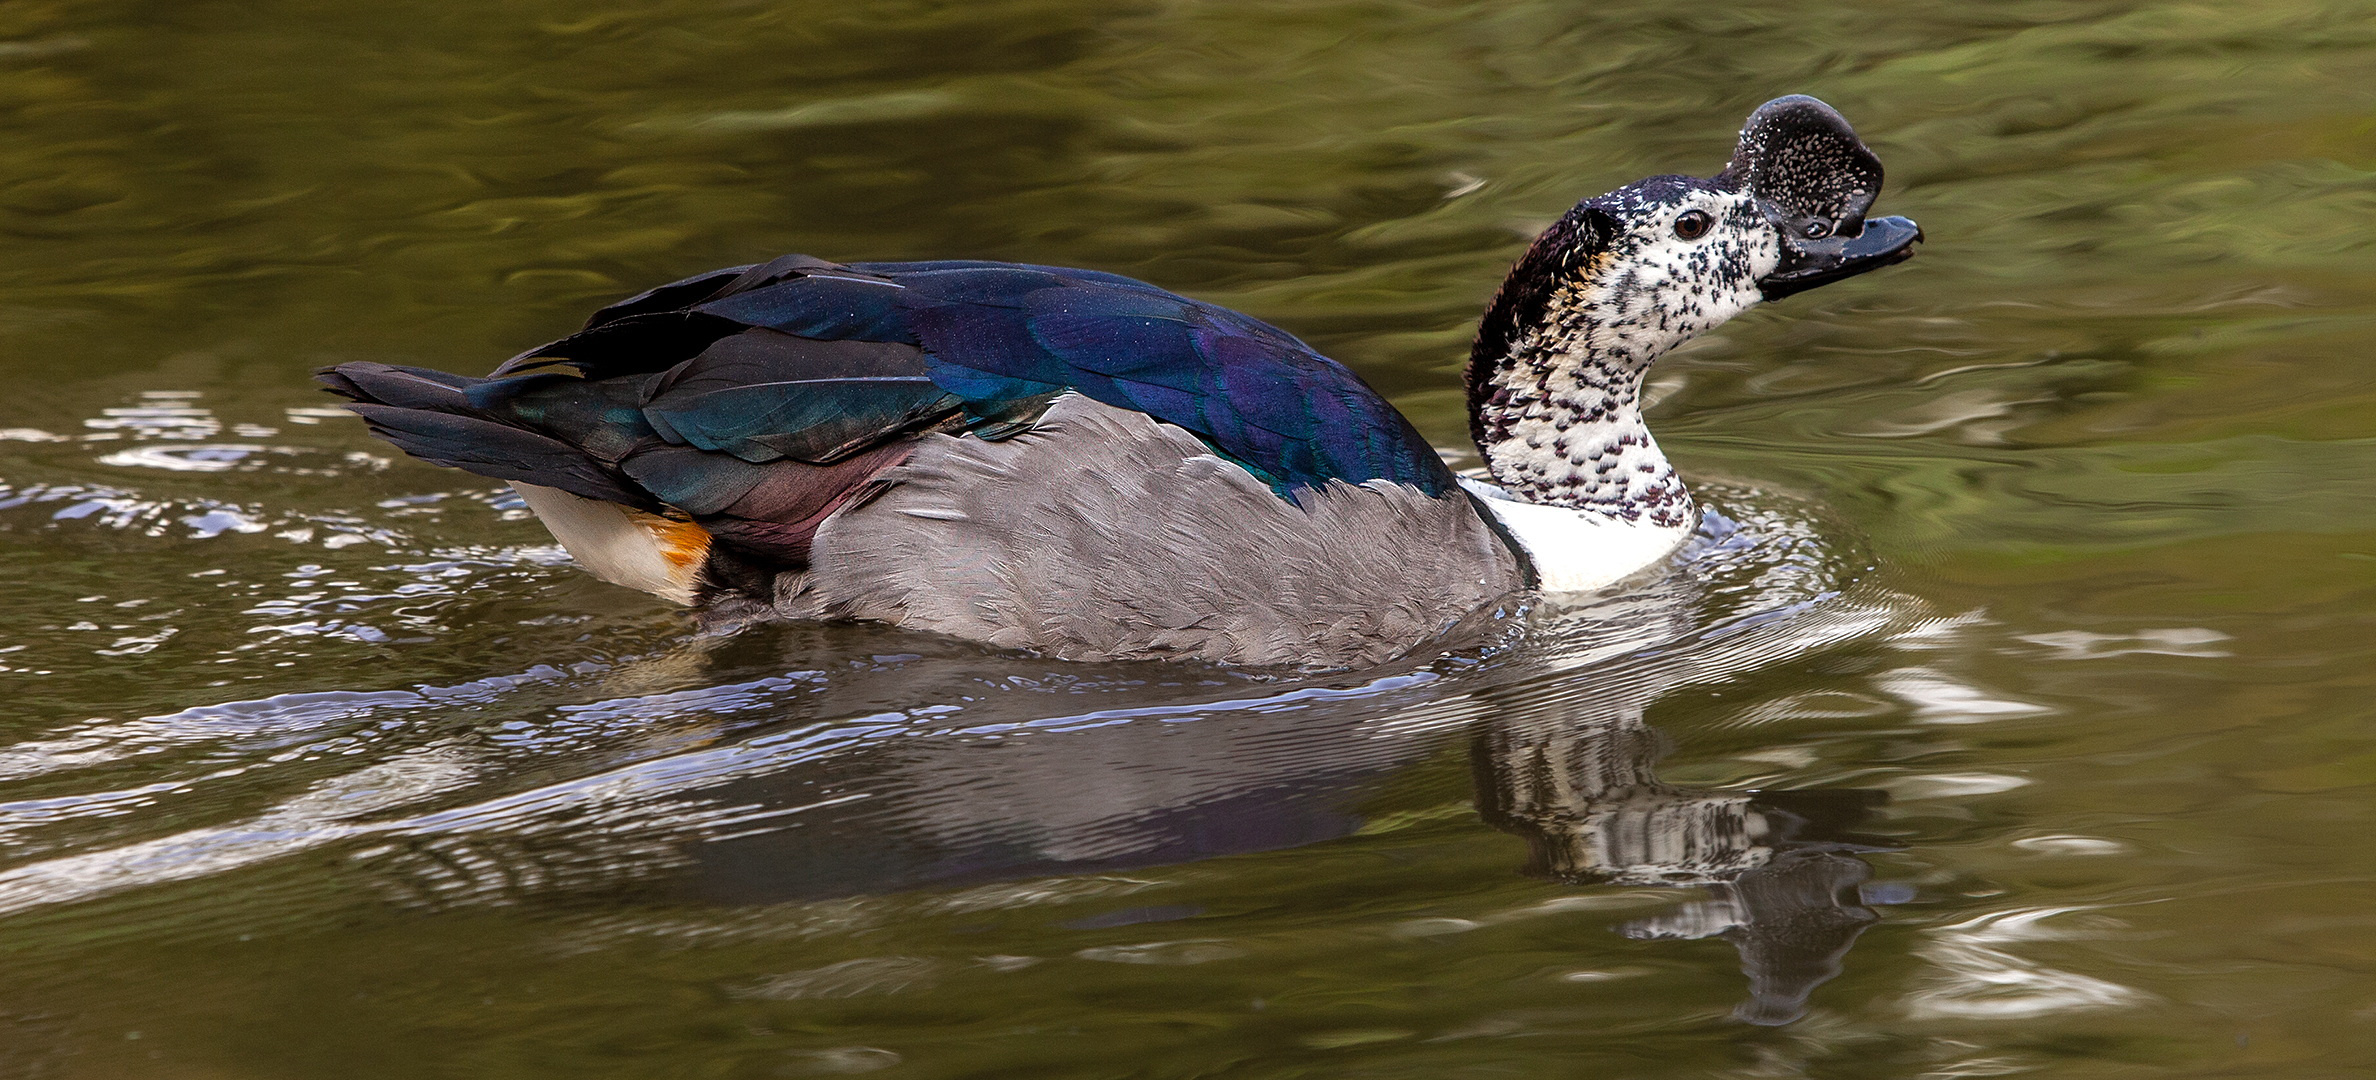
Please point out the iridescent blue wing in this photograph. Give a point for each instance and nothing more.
(998, 334)
(756, 398)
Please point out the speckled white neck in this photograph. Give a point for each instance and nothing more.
(1557, 397)
(1575, 438)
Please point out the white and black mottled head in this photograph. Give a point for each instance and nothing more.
(1555, 375)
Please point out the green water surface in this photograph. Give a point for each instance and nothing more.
(2014, 720)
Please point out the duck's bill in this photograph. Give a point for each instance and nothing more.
(1809, 263)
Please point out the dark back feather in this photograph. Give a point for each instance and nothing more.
(757, 399)
(994, 336)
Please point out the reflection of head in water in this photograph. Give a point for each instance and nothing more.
(1782, 884)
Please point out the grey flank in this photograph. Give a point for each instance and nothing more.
(1105, 534)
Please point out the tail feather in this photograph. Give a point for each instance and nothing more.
(595, 439)
(403, 387)
(499, 451)
(435, 416)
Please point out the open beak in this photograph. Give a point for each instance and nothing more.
(1808, 263)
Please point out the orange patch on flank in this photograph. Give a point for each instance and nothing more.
(682, 543)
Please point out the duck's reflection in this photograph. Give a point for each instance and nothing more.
(1779, 867)
(918, 770)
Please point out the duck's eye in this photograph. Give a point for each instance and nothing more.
(1693, 224)
(1817, 230)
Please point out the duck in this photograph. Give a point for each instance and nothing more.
(1084, 466)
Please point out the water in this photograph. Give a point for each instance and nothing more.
(2013, 719)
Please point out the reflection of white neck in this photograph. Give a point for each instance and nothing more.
(1577, 550)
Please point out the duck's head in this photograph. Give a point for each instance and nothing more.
(1628, 275)
(1554, 382)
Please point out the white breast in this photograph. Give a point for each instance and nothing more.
(1576, 551)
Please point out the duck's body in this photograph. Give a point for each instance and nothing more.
(1037, 458)
(1090, 467)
